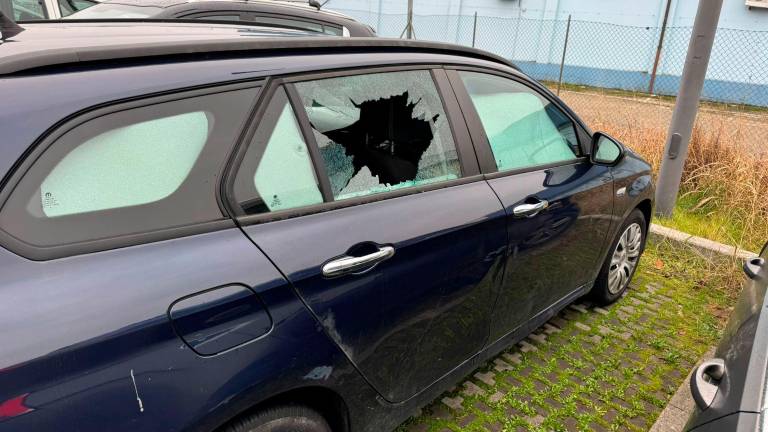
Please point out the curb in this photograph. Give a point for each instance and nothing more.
(701, 243)
(675, 415)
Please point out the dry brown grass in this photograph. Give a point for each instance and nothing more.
(724, 191)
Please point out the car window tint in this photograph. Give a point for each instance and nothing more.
(130, 171)
(132, 165)
(116, 10)
(524, 129)
(297, 24)
(25, 10)
(277, 172)
(380, 132)
(68, 7)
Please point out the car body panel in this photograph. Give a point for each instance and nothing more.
(568, 236)
(419, 313)
(744, 348)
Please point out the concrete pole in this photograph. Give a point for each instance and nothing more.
(409, 28)
(687, 105)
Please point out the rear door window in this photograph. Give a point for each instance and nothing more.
(380, 132)
(24, 10)
(130, 171)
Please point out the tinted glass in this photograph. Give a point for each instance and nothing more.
(68, 7)
(114, 10)
(131, 171)
(277, 172)
(297, 24)
(24, 10)
(524, 129)
(380, 132)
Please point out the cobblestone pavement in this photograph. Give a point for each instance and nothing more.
(588, 368)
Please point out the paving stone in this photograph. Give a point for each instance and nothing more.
(526, 347)
(501, 366)
(553, 404)
(610, 415)
(639, 422)
(596, 427)
(571, 424)
(515, 358)
(472, 389)
(579, 308)
(562, 365)
(494, 427)
(453, 403)
(571, 315)
(549, 329)
(464, 422)
(605, 331)
(601, 311)
(511, 411)
(623, 316)
(558, 322)
(595, 339)
(654, 306)
(628, 309)
(538, 338)
(581, 326)
(539, 385)
(513, 381)
(487, 378)
(525, 372)
(536, 420)
(496, 397)
(441, 412)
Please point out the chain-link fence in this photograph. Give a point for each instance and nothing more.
(606, 75)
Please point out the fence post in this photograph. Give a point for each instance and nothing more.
(659, 47)
(565, 48)
(474, 29)
(686, 105)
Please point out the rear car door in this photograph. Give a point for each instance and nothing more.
(368, 198)
(558, 205)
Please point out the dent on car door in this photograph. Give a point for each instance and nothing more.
(402, 281)
(558, 205)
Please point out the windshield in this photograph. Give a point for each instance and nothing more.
(116, 10)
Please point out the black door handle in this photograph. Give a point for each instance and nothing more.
(752, 267)
(705, 380)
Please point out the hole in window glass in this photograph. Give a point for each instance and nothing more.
(524, 129)
(380, 132)
(277, 172)
(132, 165)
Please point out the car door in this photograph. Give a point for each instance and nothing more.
(558, 205)
(368, 198)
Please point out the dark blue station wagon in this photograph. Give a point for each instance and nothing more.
(207, 227)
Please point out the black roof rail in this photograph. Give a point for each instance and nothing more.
(68, 53)
(8, 27)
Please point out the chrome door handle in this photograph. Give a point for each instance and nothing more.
(530, 210)
(351, 264)
(705, 380)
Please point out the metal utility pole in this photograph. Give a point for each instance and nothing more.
(408, 31)
(474, 29)
(686, 106)
(565, 49)
(659, 47)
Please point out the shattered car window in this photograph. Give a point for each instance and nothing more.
(380, 132)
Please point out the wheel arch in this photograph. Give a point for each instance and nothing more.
(646, 207)
(325, 401)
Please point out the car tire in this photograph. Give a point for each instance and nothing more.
(622, 260)
(291, 418)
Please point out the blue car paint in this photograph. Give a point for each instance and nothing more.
(87, 344)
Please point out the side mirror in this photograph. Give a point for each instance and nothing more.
(605, 150)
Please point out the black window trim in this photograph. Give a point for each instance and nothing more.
(470, 169)
(482, 144)
(28, 160)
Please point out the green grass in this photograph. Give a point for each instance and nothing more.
(711, 221)
(586, 380)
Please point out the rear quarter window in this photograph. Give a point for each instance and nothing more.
(128, 171)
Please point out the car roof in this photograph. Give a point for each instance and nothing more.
(60, 43)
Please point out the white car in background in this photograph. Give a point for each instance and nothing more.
(35, 10)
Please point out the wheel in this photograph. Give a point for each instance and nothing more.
(622, 260)
(292, 418)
